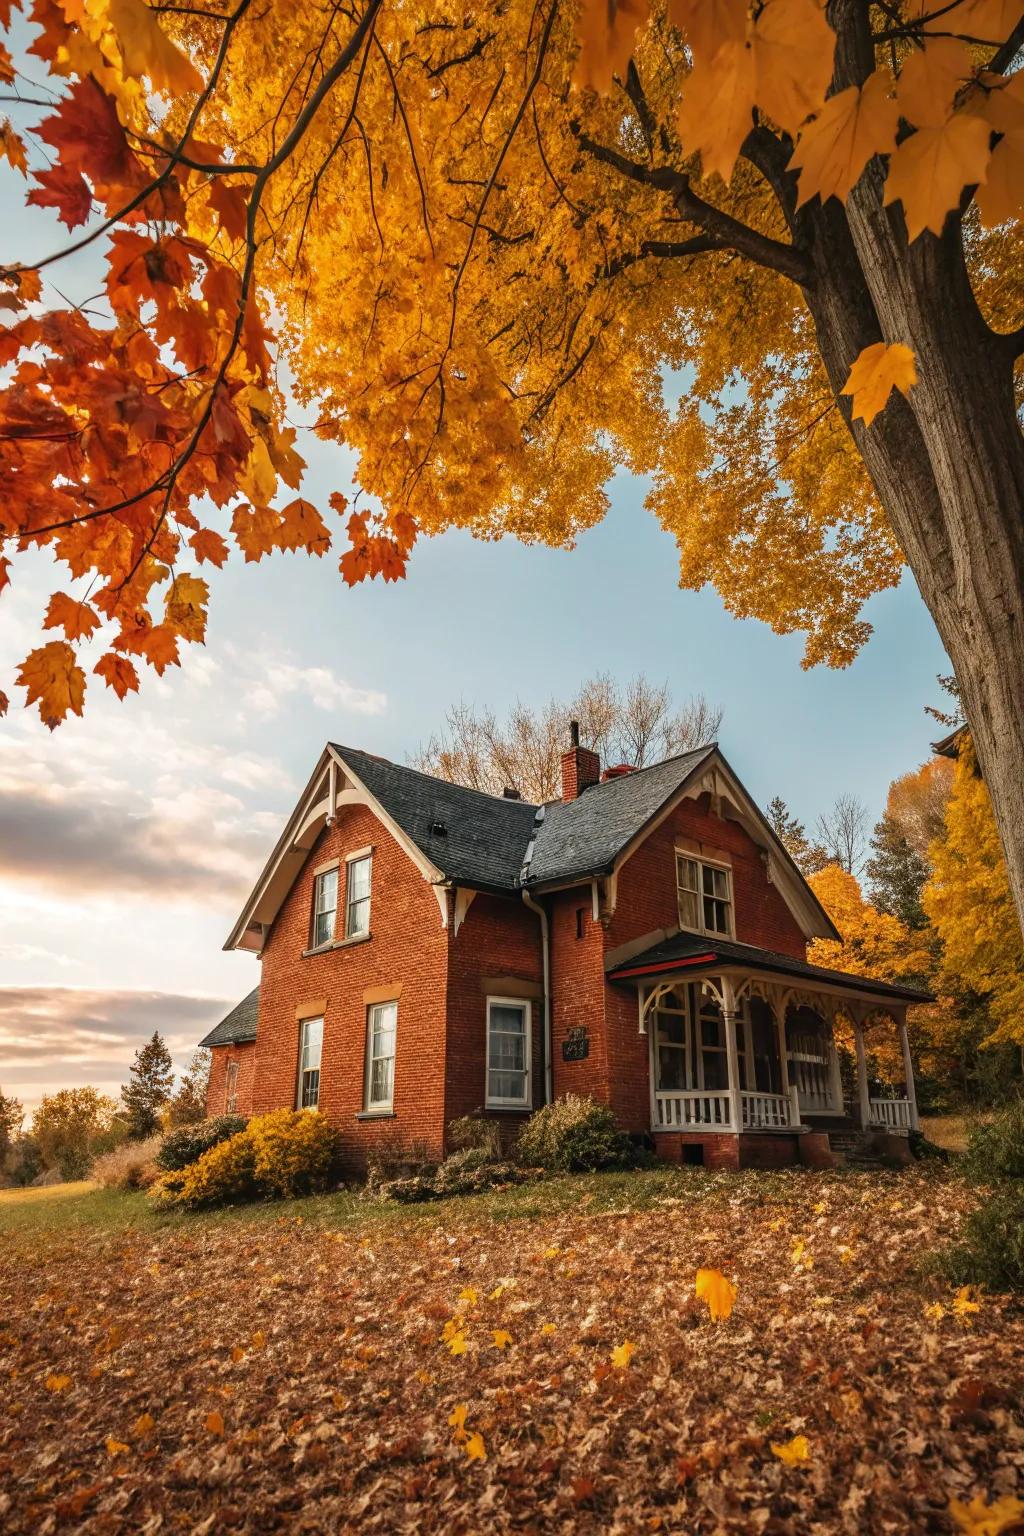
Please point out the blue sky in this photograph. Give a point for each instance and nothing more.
(129, 839)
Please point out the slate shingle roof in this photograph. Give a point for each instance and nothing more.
(687, 950)
(485, 836)
(584, 836)
(487, 839)
(239, 1025)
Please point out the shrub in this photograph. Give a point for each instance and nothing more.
(573, 1135)
(188, 1143)
(132, 1165)
(293, 1151)
(473, 1131)
(989, 1250)
(288, 1152)
(468, 1172)
(995, 1150)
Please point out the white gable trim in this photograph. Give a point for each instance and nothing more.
(333, 786)
(714, 776)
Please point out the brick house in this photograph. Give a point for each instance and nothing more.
(428, 951)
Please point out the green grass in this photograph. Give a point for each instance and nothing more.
(56, 1212)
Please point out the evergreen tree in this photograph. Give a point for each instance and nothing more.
(188, 1104)
(897, 873)
(148, 1088)
(11, 1116)
(807, 856)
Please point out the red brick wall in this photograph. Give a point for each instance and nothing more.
(647, 883)
(499, 937)
(407, 945)
(216, 1092)
(578, 994)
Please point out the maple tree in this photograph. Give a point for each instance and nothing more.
(482, 240)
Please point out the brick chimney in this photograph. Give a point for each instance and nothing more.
(580, 766)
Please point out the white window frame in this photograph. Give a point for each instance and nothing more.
(319, 877)
(304, 1025)
(231, 1087)
(363, 856)
(371, 1105)
(526, 1102)
(674, 1012)
(702, 863)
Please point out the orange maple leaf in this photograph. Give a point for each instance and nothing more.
(54, 680)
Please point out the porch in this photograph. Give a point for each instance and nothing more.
(748, 1050)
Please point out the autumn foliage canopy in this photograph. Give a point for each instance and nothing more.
(475, 242)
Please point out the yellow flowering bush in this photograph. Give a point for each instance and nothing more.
(285, 1153)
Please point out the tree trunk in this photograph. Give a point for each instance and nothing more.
(947, 464)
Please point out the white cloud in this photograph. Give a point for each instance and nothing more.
(281, 681)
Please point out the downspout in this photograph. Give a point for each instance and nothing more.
(535, 906)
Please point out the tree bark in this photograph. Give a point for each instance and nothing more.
(947, 464)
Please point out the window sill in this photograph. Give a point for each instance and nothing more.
(509, 1109)
(325, 949)
(376, 1114)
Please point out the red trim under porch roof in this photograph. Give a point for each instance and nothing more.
(655, 970)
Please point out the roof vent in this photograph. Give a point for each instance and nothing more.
(510, 793)
(617, 771)
(438, 829)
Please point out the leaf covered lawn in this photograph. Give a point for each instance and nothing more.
(444, 1370)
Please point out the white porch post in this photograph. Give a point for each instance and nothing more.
(862, 1069)
(908, 1067)
(837, 1076)
(731, 1053)
(786, 1088)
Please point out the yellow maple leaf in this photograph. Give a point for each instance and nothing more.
(498, 1292)
(1001, 197)
(57, 1383)
(719, 1293)
(792, 1452)
(547, 1328)
(622, 1354)
(147, 50)
(936, 1312)
(930, 169)
(979, 1518)
(457, 1417)
(876, 372)
(116, 1447)
(468, 1295)
(852, 126)
(501, 1339)
(605, 31)
(54, 680)
(963, 1304)
(214, 1422)
(457, 1344)
(185, 606)
(474, 1447)
(144, 1425)
(258, 1339)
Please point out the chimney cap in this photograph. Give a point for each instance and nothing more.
(617, 771)
(574, 733)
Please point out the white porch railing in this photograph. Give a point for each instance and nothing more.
(766, 1111)
(891, 1114)
(703, 1111)
(694, 1110)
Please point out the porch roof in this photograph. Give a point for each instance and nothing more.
(692, 952)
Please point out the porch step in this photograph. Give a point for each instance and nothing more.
(855, 1148)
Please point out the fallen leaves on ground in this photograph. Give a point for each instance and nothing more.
(348, 1411)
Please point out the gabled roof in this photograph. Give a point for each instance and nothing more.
(463, 837)
(239, 1025)
(693, 952)
(585, 836)
(484, 837)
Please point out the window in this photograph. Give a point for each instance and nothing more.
(325, 906)
(672, 1044)
(713, 1060)
(705, 895)
(581, 915)
(231, 1089)
(380, 1055)
(508, 1052)
(311, 1039)
(357, 897)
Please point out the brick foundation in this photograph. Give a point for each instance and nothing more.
(816, 1152)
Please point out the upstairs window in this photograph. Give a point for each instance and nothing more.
(705, 895)
(380, 1056)
(357, 897)
(325, 906)
(311, 1040)
(231, 1089)
(508, 1053)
